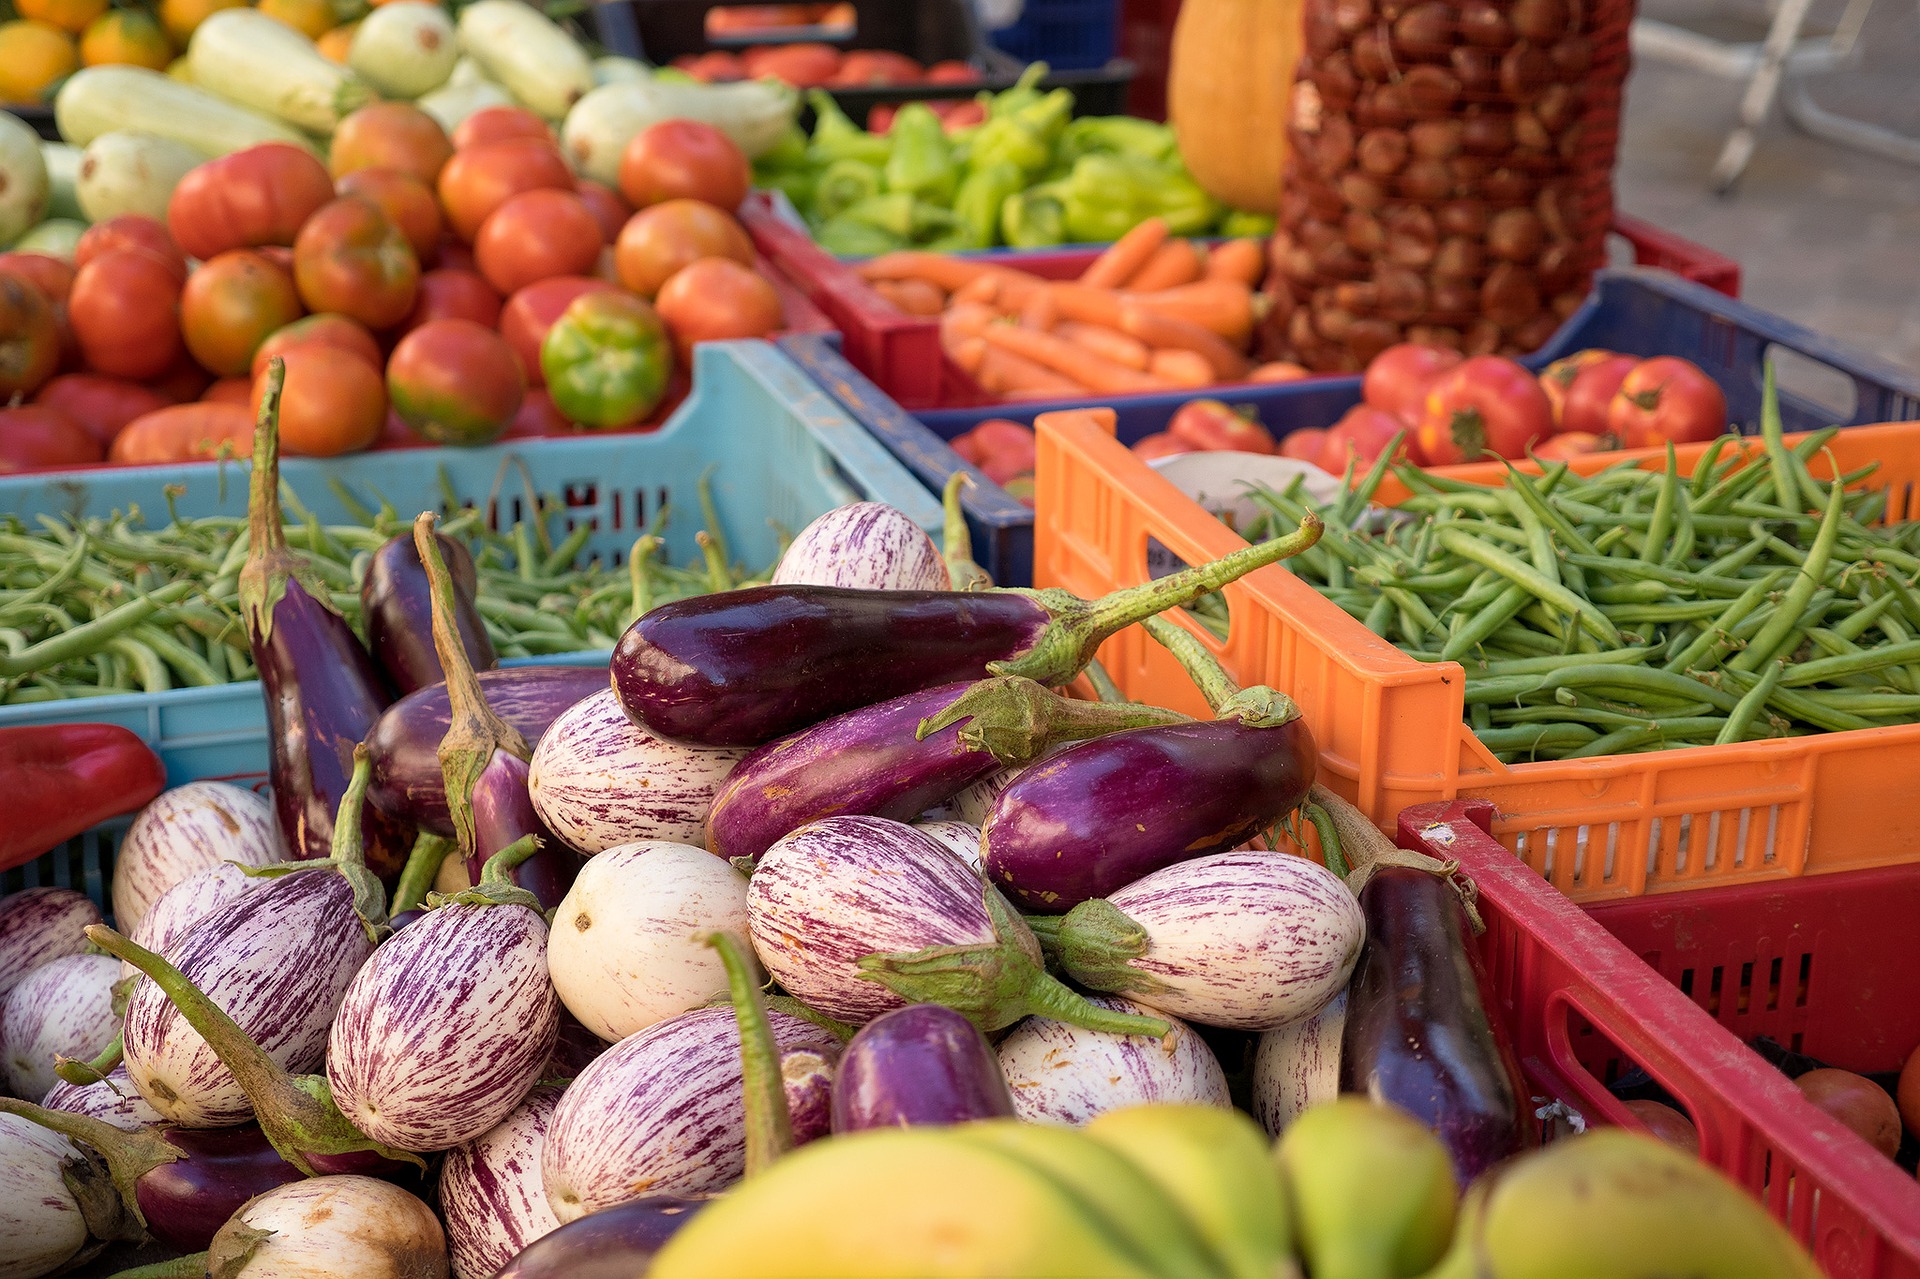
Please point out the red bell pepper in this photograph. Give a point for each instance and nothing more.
(61, 779)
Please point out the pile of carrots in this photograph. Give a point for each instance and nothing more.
(1151, 313)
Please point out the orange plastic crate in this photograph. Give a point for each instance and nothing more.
(1391, 731)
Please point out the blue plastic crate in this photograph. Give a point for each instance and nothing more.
(780, 453)
(1068, 35)
(1634, 310)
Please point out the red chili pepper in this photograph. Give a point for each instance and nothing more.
(61, 779)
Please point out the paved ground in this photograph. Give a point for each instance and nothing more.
(1826, 236)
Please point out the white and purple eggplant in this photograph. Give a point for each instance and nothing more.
(491, 1193)
(626, 949)
(62, 1010)
(445, 1030)
(1297, 1066)
(1243, 940)
(743, 667)
(329, 1227)
(856, 916)
(184, 831)
(898, 758)
(113, 1098)
(661, 1112)
(919, 1065)
(867, 546)
(38, 926)
(959, 838)
(43, 1179)
(174, 913)
(600, 780)
(1062, 1074)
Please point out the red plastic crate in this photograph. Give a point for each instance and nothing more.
(1825, 964)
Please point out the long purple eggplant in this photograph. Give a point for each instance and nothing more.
(898, 758)
(1418, 1034)
(491, 1194)
(743, 667)
(398, 614)
(613, 1243)
(183, 1183)
(323, 692)
(407, 781)
(923, 1064)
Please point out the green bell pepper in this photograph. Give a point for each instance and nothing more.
(922, 163)
(835, 137)
(1108, 195)
(845, 183)
(849, 237)
(797, 184)
(977, 204)
(1035, 218)
(1117, 135)
(606, 360)
(789, 150)
(899, 214)
(1240, 222)
(1022, 92)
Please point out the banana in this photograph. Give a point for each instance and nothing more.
(1371, 1190)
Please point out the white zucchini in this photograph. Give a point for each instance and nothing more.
(404, 49)
(56, 236)
(754, 114)
(24, 191)
(538, 63)
(465, 72)
(126, 172)
(244, 55)
(63, 171)
(614, 69)
(98, 100)
(455, 102)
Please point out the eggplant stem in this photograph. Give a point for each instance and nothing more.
(1201, 666)
(192, 1266)
(1329, 830)
(769, 1124)
(82, 1074)
(349, 855)
(423, 866)
(1103, 686)
(270, 566)
(129, 1156)
(1017, 721)
(956, 539)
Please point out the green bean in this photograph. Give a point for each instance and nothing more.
(1545, 666)
(1463, 544)
(1659, 735)
(146, 664)
(1660, 526)
(1641, 680)
(1778, 634)
(1530, 738)
(85, 638)
(192, 668)
(1489, 619)
(1735, 729)
(1857, 663)
(1378, 615)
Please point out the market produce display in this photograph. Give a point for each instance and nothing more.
(808, 65)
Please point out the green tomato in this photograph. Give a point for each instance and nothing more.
(606, 359)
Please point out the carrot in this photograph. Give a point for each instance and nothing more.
(1166, 332)
(1038, 311)
(1185, 368)
(1003, 372)
(1086, 304)
(1110, 344)
(1174, 263)
(1242, 260)
(1279, 371)
(915, 297)
(966, 320)
(941, 269)
(1126, 255)
(1224, 306)
(968, 353)
(1075, 362)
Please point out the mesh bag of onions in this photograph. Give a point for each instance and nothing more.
(1449, 178)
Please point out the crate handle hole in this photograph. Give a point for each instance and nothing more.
(1815, 383)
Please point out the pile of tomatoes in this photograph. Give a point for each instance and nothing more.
(427, 289)
(808, 65)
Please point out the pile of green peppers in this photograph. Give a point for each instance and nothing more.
(1030, 176)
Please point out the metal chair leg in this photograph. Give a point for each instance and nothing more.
(1757, 102)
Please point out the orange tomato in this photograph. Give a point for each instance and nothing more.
(659, 241)
(351, 259)
(454, 295)
(714, 299)
(229, 390)
(181, 381)
(481, 178)
(182, 17)
(537, 235)
(683, 159)
(335, 45)
(311, 18)
(332, 402)
(529, 313)
(336, 331)
(69, 15)
(231, 305)
(456, 382)
(125, 312)
(101, 405)
(390, 135)
(407, 202)
(606, 206)
(131, 231)
(126, 37)
(29, 337)
(50, 275)
(33, 55)
(802, 65)
(497, 124)
(261, 195)
(36, 438)
(183, 432)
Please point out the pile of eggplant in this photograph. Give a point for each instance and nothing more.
(455, 996)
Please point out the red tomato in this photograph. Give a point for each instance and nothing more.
(1557, 378)
(101, 405)
(1303, 444)
(262, 195)
(1000, 447)
(130, 231)
(481, 178)
(350, 259)
(182, 381)
(606, 206)
(1857, 1102)
(390, 135)
(1159, 444)
(325, 329)
(1588, 400)
(229, 390)
(38, 438)
(1209, 425)
(29, 337)
(182, 432)
(332, 403)
(537, 235)
(1359, 438)
(1667, 399)
(408, 203)
(530, 312)
(498, 124)
(880, 117)
(684, 159)
(1399, 378)
(50, 275)
(952, 71)
(877, 66)
(538, 419)
(229, 307)
(1487, 404)
(714, 67)
(714, 299)
(1568, 444)
(125, 312)
(456, 382)
(1666, 1123)
(659, 241)
(802, 65)
(454, 295)
(955, 116)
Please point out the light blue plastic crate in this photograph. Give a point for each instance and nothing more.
(780, 452)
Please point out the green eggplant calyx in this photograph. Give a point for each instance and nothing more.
(1094, 943)
(496, 886)
(128, 1156)
(1017, 721)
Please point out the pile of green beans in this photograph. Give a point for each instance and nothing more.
(1637, 610)
(109, 605)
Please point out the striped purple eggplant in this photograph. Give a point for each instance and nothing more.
(42, 1228)
(1297, 1066)
(491, 1194)
(600, 780)
(807, 1079)
(626, 949)
(957, 837)
(1061, 1074)
(112, 1099)
(503, 812)
(613, 1243)
(184, 831)
(61, 1009)
(661, 1112)
(330, 1228)
(1242, 940)
(175, 912)
(407, 780)
(397, 612)
(277, 961)
(38, 926)
(923, 1064)
(856, 916)
(743, 667)
(867, 546)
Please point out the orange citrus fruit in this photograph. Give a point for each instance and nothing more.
(334, 44)
(32, 56)
(180, 17)
(311, 18)
(71, 16)
(129, 37)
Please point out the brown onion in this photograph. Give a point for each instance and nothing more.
(1509, 296)
(1381, 152)
(1565, 304)
(1431, 90)
(1424, 31)
(1333, 75)
(1316, 236)
(1452, 298)
(1389, 106)
(1330, 322)
(1535, 333)
(1435, 139)
(1485, 24)
(1357, 296)
(1353, 16)
(1478, 69)
(1463, 217)
(1300, 329)
(1361, 191)
(1556, 107)
(1571, 58)
(1459, 258)
(1338, 262)
(1515, 235)
(1373, 56)
(1525, 72)
(1323, 202)
(1366, 338)
(1541, 21)
(1553, 207)
(1529, 134)
(1333, 149)
(1483, 337)
(1857, 1102)
(1305, 108)
(1320, 33)
(1299, 265)
(1363, 233)
(1427, 180)
(1571, 139)
(1510, 186)
(1293, 204)
(1402, 293)
(1412, 236)
(1469, 171)
(1435, 335)
(1487, 133)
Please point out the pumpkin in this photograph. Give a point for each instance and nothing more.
(1228, 90)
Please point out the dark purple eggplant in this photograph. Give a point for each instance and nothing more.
(323, 692)
(182, 1183)
(614, 1243)
(743, 667)
(901, 757)
(407, 781)
(923, 1064)
(1419, 1035)
(398, 615)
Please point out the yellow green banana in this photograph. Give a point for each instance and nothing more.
(1371, 1191)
